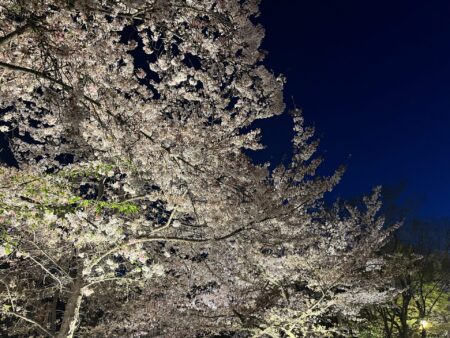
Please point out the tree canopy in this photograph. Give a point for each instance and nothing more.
(131, 209)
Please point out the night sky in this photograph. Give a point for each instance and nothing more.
(373, 78)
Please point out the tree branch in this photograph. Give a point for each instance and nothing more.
(164, 238)
(72, 309)
(44, 76)
(172, 215)
(44, 268)
(14, 33)
(30, 321)
(50, 258)
(9, 294)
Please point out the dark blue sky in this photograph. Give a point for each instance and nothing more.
(373, 77)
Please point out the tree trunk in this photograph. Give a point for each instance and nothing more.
(424, 333)
(72, 310)
(386, 322)
(406, 298)
(404, 332)
(53, 314)
(387, 331)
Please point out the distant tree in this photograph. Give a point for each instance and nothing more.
(422, 307)
(426, 235)
(133, 210)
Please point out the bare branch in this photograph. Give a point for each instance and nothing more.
(30, 321)
(14, 33)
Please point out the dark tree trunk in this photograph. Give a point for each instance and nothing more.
(406, 299)
(53, 314)
(424, 333)
(71, 312)
(386, 324)
(404, 329)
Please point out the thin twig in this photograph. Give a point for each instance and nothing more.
(9, 295)
(30, 321)
(45, 269)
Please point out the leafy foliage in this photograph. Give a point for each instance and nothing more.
(422, 306)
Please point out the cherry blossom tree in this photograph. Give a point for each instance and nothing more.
(133, 210)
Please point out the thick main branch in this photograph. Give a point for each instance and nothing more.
(72, 310)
